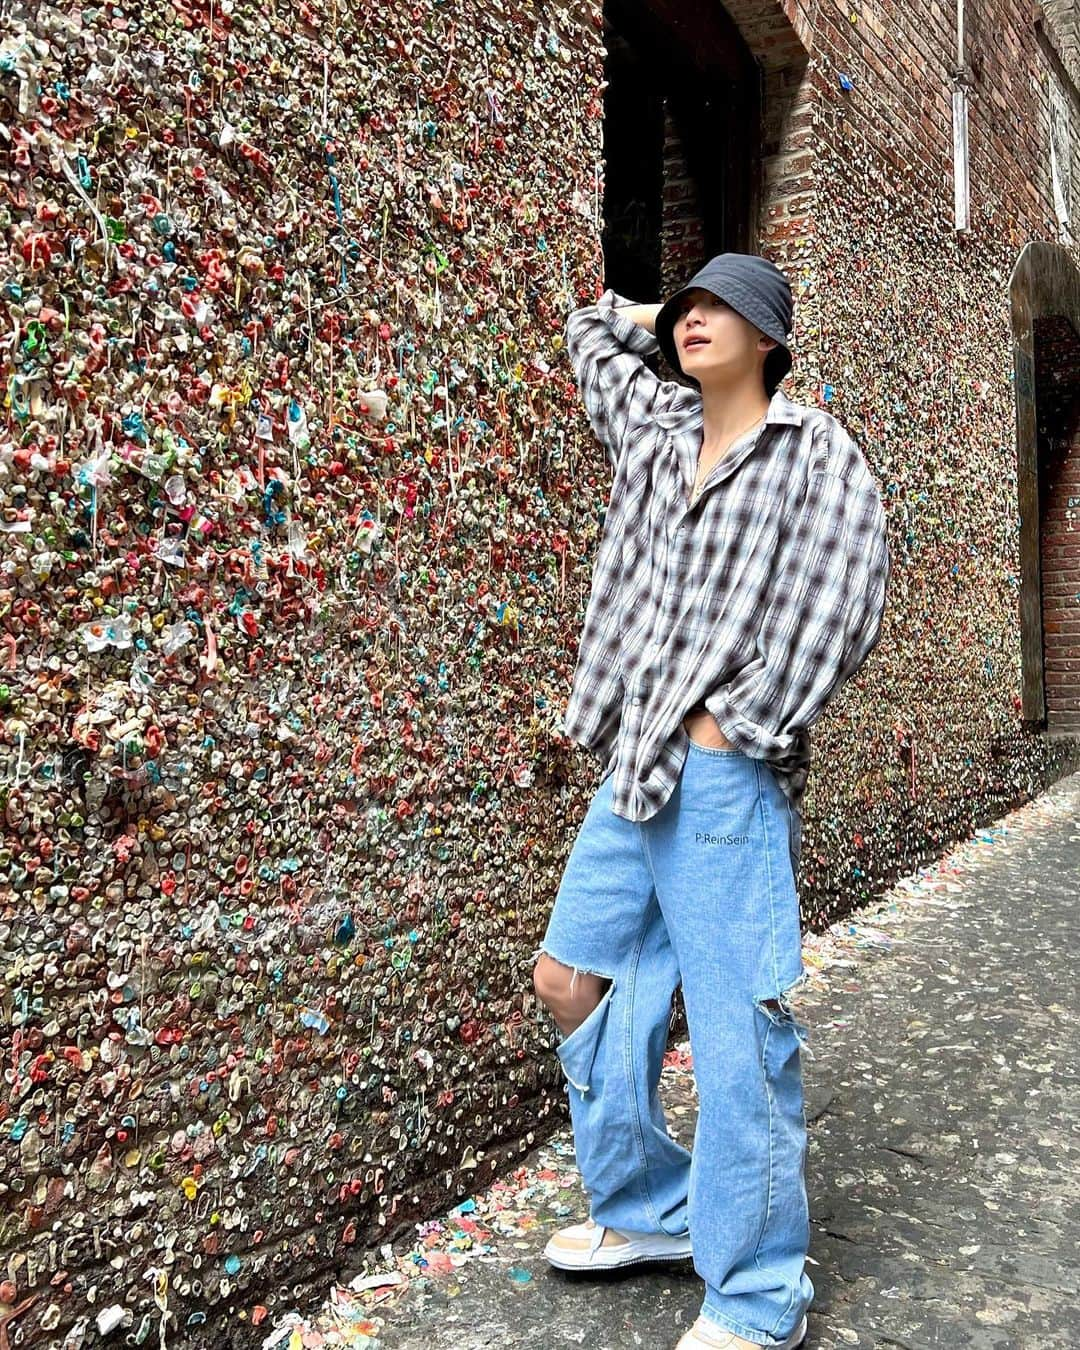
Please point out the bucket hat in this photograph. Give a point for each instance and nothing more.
(754, 287)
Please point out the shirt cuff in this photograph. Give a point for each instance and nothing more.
(629, 333)
(747, 736)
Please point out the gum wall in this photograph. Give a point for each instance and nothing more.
(298, 512)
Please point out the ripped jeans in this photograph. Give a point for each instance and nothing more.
(701, 894)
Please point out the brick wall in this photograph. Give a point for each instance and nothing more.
(683, 237)
(1057, 349)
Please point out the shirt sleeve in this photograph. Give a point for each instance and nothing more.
(821, 622)
(620, 393)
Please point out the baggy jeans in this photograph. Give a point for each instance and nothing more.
(703, 894)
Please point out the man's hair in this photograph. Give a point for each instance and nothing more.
(770, 373)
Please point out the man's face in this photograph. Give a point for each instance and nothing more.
(714, 340)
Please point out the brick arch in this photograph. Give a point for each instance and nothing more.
(1059, 22)
(1062, 20)
(779, 38)
(776, 34)
(1045, 283)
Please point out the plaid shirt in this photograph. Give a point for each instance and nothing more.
(757, 602)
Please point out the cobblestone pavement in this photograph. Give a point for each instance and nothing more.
(943, 1108)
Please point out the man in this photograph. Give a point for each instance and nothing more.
(739, 582)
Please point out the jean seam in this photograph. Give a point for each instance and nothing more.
(769, 885)
(769, 1185)
(768, 994)
(791, 844)
(791, 1303)
(628, 1071)
(644, 845)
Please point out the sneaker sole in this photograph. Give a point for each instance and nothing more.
(565, 1263)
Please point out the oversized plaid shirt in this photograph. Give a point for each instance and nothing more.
(759, 601)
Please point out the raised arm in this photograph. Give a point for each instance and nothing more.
(607, 342)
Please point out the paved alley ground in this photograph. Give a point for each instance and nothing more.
(943, 1101)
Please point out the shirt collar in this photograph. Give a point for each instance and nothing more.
(690, 410)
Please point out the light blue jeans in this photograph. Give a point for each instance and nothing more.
(701, 894)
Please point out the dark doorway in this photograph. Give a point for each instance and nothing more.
(1057, 403)
(682, 117)
(1044, 296)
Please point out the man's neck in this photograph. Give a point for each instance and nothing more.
(727, 413)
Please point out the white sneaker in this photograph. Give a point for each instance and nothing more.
(591, 1246)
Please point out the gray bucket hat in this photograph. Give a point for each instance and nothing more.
(753, 286)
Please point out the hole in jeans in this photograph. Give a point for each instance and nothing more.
(575, 971)
(577, 1051)
(779, 1012)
